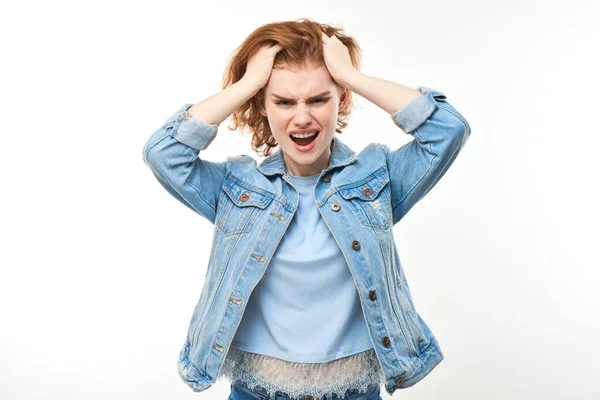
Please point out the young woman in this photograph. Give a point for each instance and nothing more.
(332, 316)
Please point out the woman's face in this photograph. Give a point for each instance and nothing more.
(306, 98)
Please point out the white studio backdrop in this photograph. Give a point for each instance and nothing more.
(101, 268)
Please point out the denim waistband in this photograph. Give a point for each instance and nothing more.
(260, 393)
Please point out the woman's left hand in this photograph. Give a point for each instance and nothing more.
(337, 58)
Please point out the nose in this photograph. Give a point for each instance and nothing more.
(302, 115)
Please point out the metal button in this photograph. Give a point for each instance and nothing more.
(386, 341)
(244, 197)
(336, 206)
(372, 295)
(399, 382)
(367, 192)
(356, 245)
(326, 178)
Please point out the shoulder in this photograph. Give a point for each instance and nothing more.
(369, 162)
(374, 154)
(243, 169)
(241, 163)
(374, 149)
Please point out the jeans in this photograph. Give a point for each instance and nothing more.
(241, 392)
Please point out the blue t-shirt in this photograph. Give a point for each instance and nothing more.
(306, 307)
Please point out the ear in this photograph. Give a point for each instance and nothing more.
(343, 99)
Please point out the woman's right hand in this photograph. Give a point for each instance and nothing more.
(260, 65)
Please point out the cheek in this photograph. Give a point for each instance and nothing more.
(276, 114)
(329, 114)
(273, 117)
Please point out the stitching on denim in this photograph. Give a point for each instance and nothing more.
(222, 215)
(425, 174)
(278, 198)
(457, 115)
(406, 311)
(186, 183)
(199, 193)
(225, 262)
(416, 132)
(250, 391)
(249, 186)
(359, 292)
(158, 140)
(392, 301)
(258, 236)
(371, 214)
(362, 181)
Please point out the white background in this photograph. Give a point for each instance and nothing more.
(101, 268)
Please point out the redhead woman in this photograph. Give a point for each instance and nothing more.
(305, 296)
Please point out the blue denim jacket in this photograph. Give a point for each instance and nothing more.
(360, 197)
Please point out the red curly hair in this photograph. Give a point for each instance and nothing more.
(301, 41)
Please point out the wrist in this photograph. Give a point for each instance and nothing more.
(347, 79)
(248, 86)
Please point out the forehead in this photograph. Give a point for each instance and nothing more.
(300, 82)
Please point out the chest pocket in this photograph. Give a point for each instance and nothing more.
(370, 200)
(239, 208)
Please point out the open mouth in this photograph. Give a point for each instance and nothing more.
(304, 141)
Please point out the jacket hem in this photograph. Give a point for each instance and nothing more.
(426, 362)
(190, 373)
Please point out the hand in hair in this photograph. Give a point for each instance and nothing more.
(337, 59)
(260, 65)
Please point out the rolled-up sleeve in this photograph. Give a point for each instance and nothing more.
(172, 153)
(439, 132)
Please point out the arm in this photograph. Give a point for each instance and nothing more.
(439, 132)
(172, 152)
(387, 95)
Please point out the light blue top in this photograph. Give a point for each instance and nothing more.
(306, 307)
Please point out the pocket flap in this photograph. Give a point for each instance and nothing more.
(243, 196)
(366, 189)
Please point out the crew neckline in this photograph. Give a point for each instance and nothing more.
(305, 180)
(305, 176)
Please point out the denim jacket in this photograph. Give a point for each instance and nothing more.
(360, 197)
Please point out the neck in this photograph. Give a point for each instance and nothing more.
(308, 169)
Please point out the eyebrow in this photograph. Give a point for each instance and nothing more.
(285, 98)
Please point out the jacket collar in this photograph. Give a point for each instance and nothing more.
(341, 155)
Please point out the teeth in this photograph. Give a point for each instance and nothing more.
(303, 135)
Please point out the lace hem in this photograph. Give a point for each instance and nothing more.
(358, 371)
